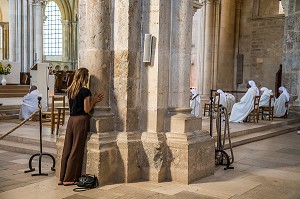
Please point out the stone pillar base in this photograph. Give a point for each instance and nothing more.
(297, 102)
(192, 151)
(130, 146)
(153, 157)
(100, 159)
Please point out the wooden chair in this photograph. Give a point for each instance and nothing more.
(268, 110)
(287, 110)
(254, 115)
(54, 117)
(216, 103)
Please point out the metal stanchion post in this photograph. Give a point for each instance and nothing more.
(41, 149)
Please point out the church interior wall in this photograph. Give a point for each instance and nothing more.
(261, 41)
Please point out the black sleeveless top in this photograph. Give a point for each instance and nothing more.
(77, 104)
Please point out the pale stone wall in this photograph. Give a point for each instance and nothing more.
(261, 43)
(291, 59)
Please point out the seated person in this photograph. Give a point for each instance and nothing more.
(30, 103)
(195, 103)
(226, 99)
(265, 97)
(279, 105)
(230, 101)
(223, 99)
(243, 108)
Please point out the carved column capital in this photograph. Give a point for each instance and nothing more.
(197, 5)
(40, 2)
(204, 2)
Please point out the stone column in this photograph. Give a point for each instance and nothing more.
(238, 4)
(12, 30)
(66, 39)
(5, 41)
(18, 37)
(126, 40)
(74, 39)
(291, 53)
(94, 54)
(191, 150)
(38, 29)
(154, 91)
(25, 61)
(208, 73)
(31, 34)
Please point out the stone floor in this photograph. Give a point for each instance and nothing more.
(267, 169)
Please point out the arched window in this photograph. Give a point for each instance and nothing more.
(52, 30)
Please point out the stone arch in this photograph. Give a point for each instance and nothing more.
(57, 67)
(65, 9)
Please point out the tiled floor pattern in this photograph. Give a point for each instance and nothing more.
(268, 169)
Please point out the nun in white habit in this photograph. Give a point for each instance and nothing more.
(223, 99)
(230, 101)
(226, 99)
(279, 105)
(265, 97)
(243, 108)
(30, 103)
(195, 103)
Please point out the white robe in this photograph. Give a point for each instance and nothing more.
(230, 101)
(223, 100)
(30, 104)
(279, 106)
(243, 108)
(264, 98)
(195, 104)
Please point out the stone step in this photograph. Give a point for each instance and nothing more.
(252, 137)
(25, 148)
(9, 117)
(271, 125)
(30, 141)
(8, 107)
(9, 111)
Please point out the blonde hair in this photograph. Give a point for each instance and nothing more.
(80, 80)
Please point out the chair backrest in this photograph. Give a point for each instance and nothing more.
(256, 102)
(57, 99)
(270, 101)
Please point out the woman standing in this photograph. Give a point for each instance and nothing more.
(81, 102)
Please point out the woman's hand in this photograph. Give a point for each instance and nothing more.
(97, 98)
(89, 102)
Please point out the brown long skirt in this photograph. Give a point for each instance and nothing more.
(72, 157)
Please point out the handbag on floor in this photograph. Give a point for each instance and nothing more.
(86, 182)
